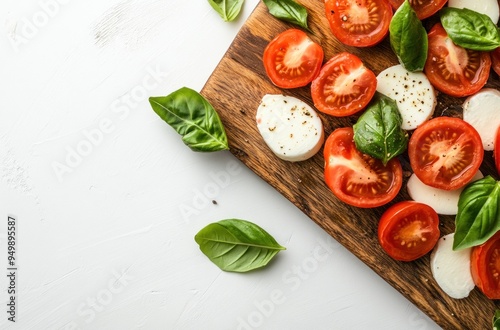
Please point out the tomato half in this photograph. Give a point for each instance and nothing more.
(359, 23)
(292, 59)
(344, 86)
(454, 70)
(495, 60)
(485, 266)
(423, 8)
(496, 150)
(445, 152)
(358, 179)
(408, 230)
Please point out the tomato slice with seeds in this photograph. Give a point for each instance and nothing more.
(495, 60)
(485, 267)
(445, 152)
(358, 179)
(292, 59)
(359, 23)
(423, 8)
(344, 86)
(408, 230)
(454, 70)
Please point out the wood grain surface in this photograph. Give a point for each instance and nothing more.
(235, 89)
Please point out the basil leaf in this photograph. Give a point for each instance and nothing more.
(470, 29)
(408, 38)
(478, 216)
(378, 131)
(496, 320)
(193, 117)
(289, 11)
(227, 9)
(237, 245)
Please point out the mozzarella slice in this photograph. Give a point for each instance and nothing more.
(290, 127)
(487, 7)
(442, 201)
(451, 269)
(482, 111)
(412, 91)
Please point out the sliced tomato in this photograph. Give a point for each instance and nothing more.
(292, 59)
(344, 86)
(358, 179)
(408, 230)
(359, 23)
(496, 150)
(454, 70)
(445, 152)
(423, 8)
(485, 266)
(495, 60)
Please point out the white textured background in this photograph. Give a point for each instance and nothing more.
(108, 199)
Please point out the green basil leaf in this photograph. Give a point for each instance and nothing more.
(470, 29)
(227, 9)
(408, 38)
(190, 114)
(478, 216)
(496, 320)
(378, 131)
(289, 11)
(237, 245)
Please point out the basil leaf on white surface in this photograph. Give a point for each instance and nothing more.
(193, 117)
(236, 245)
(478, 216)
(408, 38)
(227, 9)
(288, 11)
(378, 131)
(470, 29)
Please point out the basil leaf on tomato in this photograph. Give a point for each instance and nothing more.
(378, 131)
(236, 245)
(478, 216)
(470, 29)
(496, 320)
(193, 117)
(289, 11)
(408, 38)
(227, 9)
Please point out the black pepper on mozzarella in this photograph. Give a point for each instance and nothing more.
(412, 91)
(290, 127)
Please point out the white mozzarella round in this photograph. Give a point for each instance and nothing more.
(412, 91)
(442, 201)
(290, 127)
(487, 7)
(451, 269)
(482, 111)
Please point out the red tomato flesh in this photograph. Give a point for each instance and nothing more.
(485, 267)
(358, 179)
(292, 59)
(454, 70)
(423, 8)
(408, 230)
(359, 23)
(344, 86)
(445, 152)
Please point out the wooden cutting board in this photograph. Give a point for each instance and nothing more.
(235, 89)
